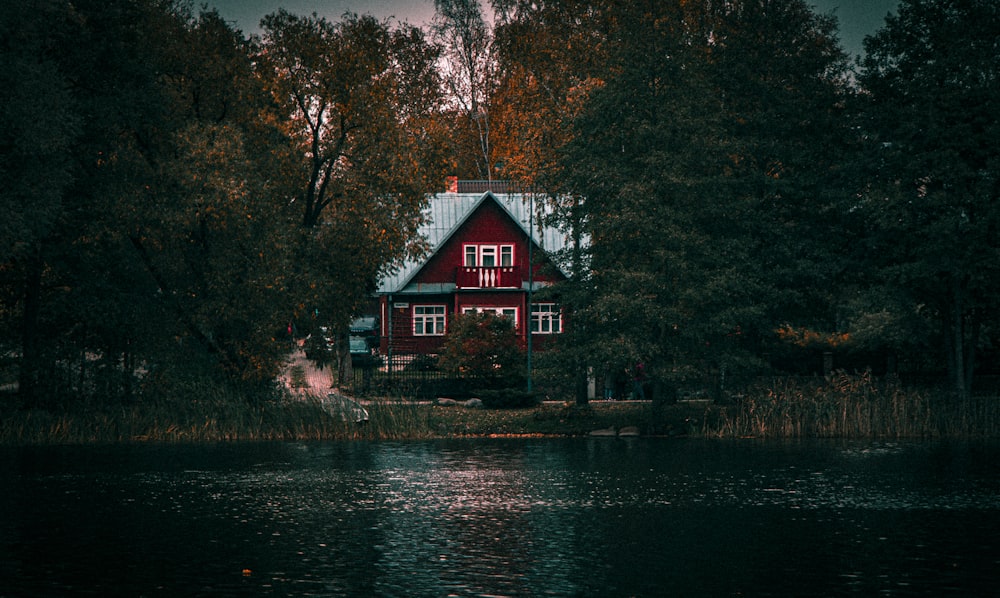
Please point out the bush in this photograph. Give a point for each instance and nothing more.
(483, 350)
(422, 363)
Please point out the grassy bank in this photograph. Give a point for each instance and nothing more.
(841, 407)
(219, 420)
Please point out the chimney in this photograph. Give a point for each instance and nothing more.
(451, 184)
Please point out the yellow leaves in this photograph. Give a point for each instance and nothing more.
(807, 337)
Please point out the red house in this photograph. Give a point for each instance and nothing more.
(483, 258)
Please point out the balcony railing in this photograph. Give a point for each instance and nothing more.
(480, 277)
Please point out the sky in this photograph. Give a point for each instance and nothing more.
(858, 18)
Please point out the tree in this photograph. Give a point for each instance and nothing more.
(192, 210)
(705, 204)
(931, 202)
(39, 123)
(84, 44)
(550, 56)
(186, 205)
(469, 70)
(356, 101)
(156, 247)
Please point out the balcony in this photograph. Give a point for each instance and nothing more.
(480, 277)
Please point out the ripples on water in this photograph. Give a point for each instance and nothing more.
(503, 518)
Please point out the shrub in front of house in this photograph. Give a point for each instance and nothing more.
(482, 356)
(423, 363)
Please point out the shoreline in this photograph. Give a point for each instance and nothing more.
(843, 406)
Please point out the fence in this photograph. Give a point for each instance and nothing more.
(401, 375)
(416, 376)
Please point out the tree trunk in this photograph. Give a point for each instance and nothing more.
(580, 384)
(576, 223)
(31, 354)
(959, 343)
(971, 334)
(345, 370)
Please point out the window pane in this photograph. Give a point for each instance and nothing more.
(545, 318)
(489, 256)
(507, 255)
(470, 255)
(428, 320)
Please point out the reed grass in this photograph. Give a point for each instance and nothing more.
(208, 416)
(842, 405)
(852, 406)
(206, 423)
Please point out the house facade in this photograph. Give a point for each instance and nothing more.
(486, 254)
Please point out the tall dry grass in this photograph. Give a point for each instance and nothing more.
(853, 406)
(847, 406)
(208, 415)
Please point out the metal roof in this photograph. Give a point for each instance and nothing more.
(448, 211)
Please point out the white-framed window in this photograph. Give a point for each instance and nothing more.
(506, 255)
(501, 312)
(428, 320)
(488, 256)
(546, 318)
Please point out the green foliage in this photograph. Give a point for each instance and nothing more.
(318, 348)
(157, 207)
(39, 123)
(706, 201)
(929, 206)
(354, 102)
(483, 350)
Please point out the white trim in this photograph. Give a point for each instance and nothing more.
(433, 317)
(474, 255)
(499, 311)
(546, 318)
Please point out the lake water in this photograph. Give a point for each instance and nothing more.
(536, 517)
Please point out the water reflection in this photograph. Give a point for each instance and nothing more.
(502, 517)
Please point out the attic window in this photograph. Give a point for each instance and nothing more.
(488, 256)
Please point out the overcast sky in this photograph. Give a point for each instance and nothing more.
(858, 18)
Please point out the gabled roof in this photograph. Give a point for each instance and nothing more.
(446, 214)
